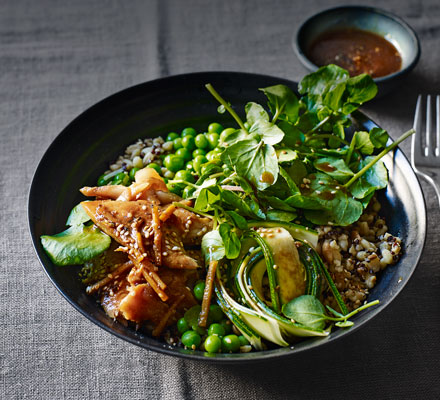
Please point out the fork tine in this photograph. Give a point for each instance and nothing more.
(437, 130)
(416, 140)
(428, 126)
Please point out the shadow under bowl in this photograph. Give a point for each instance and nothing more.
(375, 20)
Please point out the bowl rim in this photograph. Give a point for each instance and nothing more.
(298, 49)
(242, 358)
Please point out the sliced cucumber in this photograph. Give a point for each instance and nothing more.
(297, 231)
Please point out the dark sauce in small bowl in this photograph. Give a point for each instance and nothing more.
(358, 51)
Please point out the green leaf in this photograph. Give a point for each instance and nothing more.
(363, 143)
(255, 112)
(269, 132)
(282, 102)
(297, 171)
(247, 207)
(332, 86)
(255, 161)
(321, 81)
(338, 207)
(75, 245)
(206, 198)
(304, 202)
(280, 215)
(77, 216)
(277, 203)
(344, 324)
(234, 137)
(374, 178)
(335, 167)
(231, 241)
(292, 135)
(379, 137)
(286, 155)
(238, 220)
(360, 89)
(290, 183)
(212, 246)
(306, 310)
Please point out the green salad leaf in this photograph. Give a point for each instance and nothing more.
(254, 160)
(75, 245)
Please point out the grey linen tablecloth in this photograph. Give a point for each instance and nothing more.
(57, 59)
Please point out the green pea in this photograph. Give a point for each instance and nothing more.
(215, 313)
(198, 162)
(184, 175)
(177, 143)
(230, 344)
(227, 326)
(225, 133)
(155, 167)
(102, 181)
(174, 163)
(198, 152)
(184, 153)
(216, 329)
(191, 339)
(198, 290)
(201, 141)
(176, 188)
(243, 341)
(246, 125)
(171, 136)
(121, 179)
(213, 139)
(215, 127)
(189, 166)
(188, 142)
(182, 326)
(213, 155)
(133, 173)
(213, 344)
(189, 131)
(188, 192)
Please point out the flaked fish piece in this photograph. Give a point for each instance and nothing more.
(142, 303)
(125, 221)
(191, 226)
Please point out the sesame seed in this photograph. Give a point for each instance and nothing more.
(129, 215)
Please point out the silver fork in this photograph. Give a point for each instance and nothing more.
(425, 148)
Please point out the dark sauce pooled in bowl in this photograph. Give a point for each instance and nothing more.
(357, 51)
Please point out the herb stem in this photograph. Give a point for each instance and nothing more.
(350, 150)
(277, 114)
(318, 126)
(226, 105)
(184, 182)
(379, 156)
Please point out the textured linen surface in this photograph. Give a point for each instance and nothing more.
(57, 59)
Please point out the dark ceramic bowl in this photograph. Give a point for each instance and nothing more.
(83, 150)
(381, 22)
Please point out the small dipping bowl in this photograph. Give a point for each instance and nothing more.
(374, 20)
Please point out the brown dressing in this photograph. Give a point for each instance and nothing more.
(325, 166)
(267, 177)
(357, 51)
